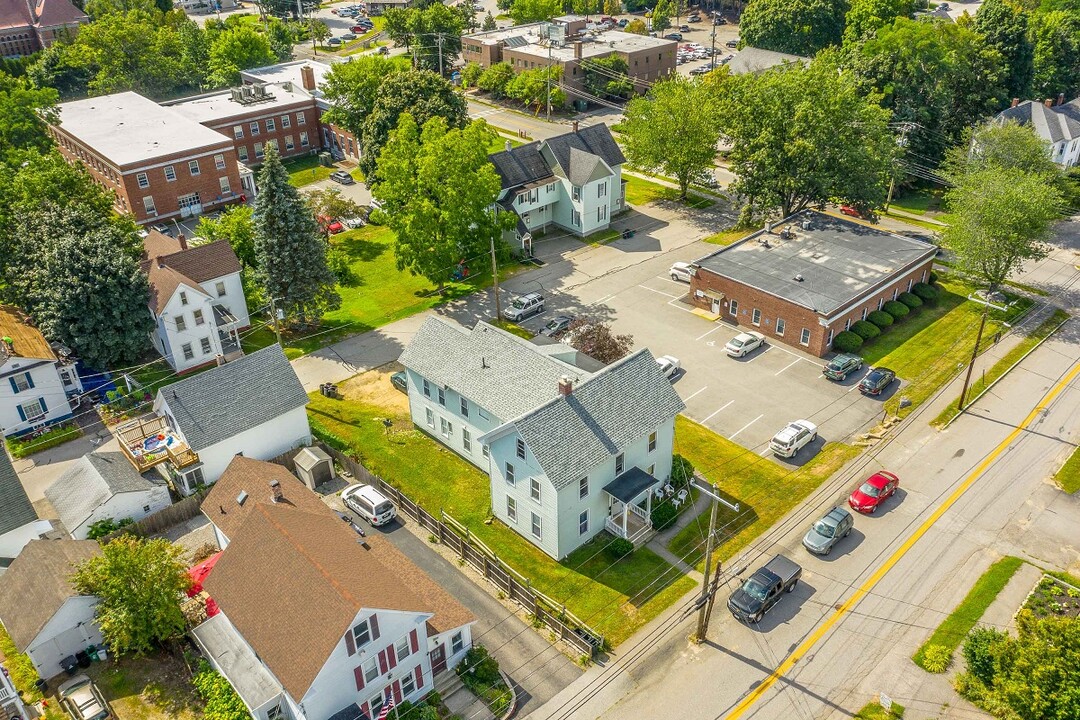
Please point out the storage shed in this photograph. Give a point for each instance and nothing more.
(314, 466)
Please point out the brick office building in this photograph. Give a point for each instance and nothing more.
(27, 26)
(808, 277)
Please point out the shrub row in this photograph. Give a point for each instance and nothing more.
(894, 311)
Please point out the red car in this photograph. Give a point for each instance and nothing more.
(335, 227)
(848, 210)
(867, 497)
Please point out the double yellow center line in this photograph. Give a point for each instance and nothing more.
(873, 580)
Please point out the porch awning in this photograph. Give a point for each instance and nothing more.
(630, 484)
(222, 315)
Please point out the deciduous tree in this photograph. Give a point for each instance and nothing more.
(637, 26)
(290, 254)
(329, 203)
(24, 110)
(595, 339)
(438, 190)
(661, 15)
(489, 22)
(428, 33)
(237, 225)
(606, 77)
(799, 27)
(235, 50)
(527, 11)
(1005, 27)
(674, 130)
(139, 584)
(864, 17)
(495, 78)
(537, 88)
(1006, 146)
(351, 88)
(470, 74)
(1056, 37)
(612, 7)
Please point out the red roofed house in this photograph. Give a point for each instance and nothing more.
(27, 26)
(315, 622)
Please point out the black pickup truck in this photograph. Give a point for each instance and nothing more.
(764, 589)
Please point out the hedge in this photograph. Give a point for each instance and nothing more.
(932, 279)
(897, 309)
(847, 342)
(663, 515)
(912, 301)
(866, 330)
(881, 319)
(926, 293)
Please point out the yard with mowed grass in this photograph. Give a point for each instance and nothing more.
(1068, 477)
(157, 687)
(378, 294)
(306, 170)
(764, 490)
(640, 191)
(929, 346)
(614, 597)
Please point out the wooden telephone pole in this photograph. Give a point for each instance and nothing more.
(708, 589)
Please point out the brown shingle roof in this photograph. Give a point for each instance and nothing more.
(321, 578)
(157, 243)
(58, 12)
(37, 584)
(253, 477)
(28, 340)
(166, 268)
(15, 13)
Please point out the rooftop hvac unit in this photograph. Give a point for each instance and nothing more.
(236, 96)
(245, 92)
(259, 91)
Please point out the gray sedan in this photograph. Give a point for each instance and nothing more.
(826, 532)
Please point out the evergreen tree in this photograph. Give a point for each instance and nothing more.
(489, 22)
(291, 255)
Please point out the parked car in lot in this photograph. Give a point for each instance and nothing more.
(744, 343)
(852, 212)
(794, 437)
(763, 589)
(829, 530)
(841, 366)
(369, 503)
(557, 326)
(342, 177)
(354, 222)
(701, 70)
(876, 381)
(684, 28)
(163, 228)
(680, 271)
(335, 227)
(400, 380)
(333, 42)
(82, 700)
(669, 365)
(879, 487)
(673, 36)
(732, 43)
(524, 306)
(623, 22)
(345, 37)
(360, 29)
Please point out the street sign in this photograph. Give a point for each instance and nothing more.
(885, 701)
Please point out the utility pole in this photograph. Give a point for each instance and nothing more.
(495, 269)
(547, 73)
(439, 42)
(707, 590)
(902, 142)
(712, 63)
(274, 317)
(712, 599)
(974, 355)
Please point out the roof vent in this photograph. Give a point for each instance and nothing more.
(798, 278)
(243, 496)
(483, 363)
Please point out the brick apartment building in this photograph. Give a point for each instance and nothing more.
(27, 26)
(808, 277)
(566, 42)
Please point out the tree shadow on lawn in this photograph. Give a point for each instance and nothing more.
(148, 688)
(640, 576)
(361, 249)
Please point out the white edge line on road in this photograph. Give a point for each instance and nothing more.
(732, 435)
(659, 292)
(695, 394)
(715, 413)
(702, 337)
(603, 299)
(793, 362)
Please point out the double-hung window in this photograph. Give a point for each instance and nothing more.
(401, 647)
(511, 508)
(652, 441)
(427, 388)
(446, 427)
(181, 323)
(199, 319)
(618, 464)
(780, 324)
(286, 122)
(219, 161)
(270, 125)
(805, 338)
(534, 489)
(254, 128)
(466, 439)
(205, 345)
(144, 182)
(583, 522)
(430, 417)
(583, 488)
(238, 132)
(193, 167)
(170, 173)
(361, 634)
(734, 307)
(521, 448)
(755, 316)
(537, 527)
(510, 474)
(464, 407)
(371, 669)
(442, 397)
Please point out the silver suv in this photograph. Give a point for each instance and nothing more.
(524, 306)
(82, 700)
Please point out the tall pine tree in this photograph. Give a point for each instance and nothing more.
(289, 252)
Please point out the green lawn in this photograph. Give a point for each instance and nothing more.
(928, 348)
(874, 711)
(753, 481)
(380, 293)
(306, 170)
(615, 598)
(24, 447)
(998, 369)
(726, 237)
(513, 328)
(640, 192)
(1068, 477)
(499, 144)
(918, 201)
(952, 631)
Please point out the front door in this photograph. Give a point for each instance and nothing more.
(716, 305)
(438, 660)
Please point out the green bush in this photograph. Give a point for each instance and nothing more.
(620, 548)
(30, 444)
(847, 342)
(937, 659)
(20, 666)
(911, 300)
(865, 330)
(471, 73)
(663, 515)
(682, 470)
(933, 278)
(339, 263)
(222, 702)
(480, 673)
(979, 653)
(106, 526)
(898, 310)
(928, 294)
(881, 318)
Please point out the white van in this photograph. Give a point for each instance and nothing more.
(369, 503)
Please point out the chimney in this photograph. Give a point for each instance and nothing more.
(575, 126)
(1015, 102)
(1061, 98)
(275, 491)
(577, 50)
(565, 386)
(768, 227)
(509, 146)
(307, 77)
(1048, 102)
(182, 240)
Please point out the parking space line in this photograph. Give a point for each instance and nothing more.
(694, 394)
(794, 355)
(667, 278)
(678, 299)
(603, 299)
(793, 362)
(702, 337)
(717, 412)
(767, 349)
(732, 436)
(658, 292)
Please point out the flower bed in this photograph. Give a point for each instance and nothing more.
(1054, 597)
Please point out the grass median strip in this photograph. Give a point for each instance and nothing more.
(764, 490)
(952, 631)
(1068, 477)
(614, 597)
(1002, 366)
(640, 191)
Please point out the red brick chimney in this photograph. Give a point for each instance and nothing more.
(565, 386)
(1015, 102)
(182, 240)
(307, 77)
(275, 491)
(1048, 102)
(577, 51)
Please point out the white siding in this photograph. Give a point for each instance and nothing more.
(13, 541)
(126, 505)
(503, 451)
(233, 299)
(478, 422)
(70, 630)
(175, 339)
(48, 386)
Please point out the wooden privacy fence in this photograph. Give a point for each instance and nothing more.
(544, 610)
(162, 520)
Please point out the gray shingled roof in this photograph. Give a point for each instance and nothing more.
(520, 166)
(571, 435)
(595, 139)
(1053, 124)
(752, 60)
(15, 507)
(91, 482)
(237, 396)
(502, 373)
(525, 164)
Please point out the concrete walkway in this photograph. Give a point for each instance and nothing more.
(1002, 612)
(658, 544)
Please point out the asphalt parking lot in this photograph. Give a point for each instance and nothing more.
(746, 400)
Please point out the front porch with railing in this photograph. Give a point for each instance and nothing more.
(149, 441)
(630, 505)
(228, 333)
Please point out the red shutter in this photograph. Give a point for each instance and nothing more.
(414, 642)
(358, 673)
(391, 656)
(419, 676)
(350, 643)
(397, 692)
(374, 621)
(383, 667)
(366, 709)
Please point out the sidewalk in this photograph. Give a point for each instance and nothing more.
(658, 544)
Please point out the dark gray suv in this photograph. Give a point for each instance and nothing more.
(828, 531)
